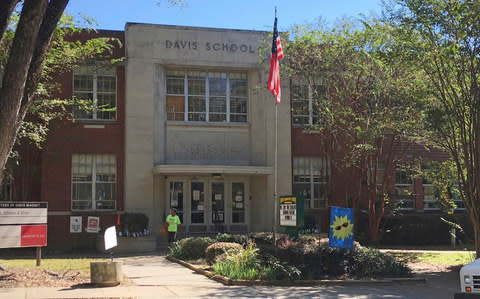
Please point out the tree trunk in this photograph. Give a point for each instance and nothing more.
(38, 20)
(15, 75)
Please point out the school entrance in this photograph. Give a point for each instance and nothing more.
(210, 203)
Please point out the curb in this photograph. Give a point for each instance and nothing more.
(238, 282)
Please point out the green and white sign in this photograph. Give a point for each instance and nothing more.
(292, 211)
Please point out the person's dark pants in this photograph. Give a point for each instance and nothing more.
(171, 237)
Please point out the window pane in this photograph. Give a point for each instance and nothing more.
(175, 85)
(82, 82)
(238, 88)
(83, 108)
(106, 84)
(238, 203)
(106, 106)
(218, 109)
(218, 202)
(175, 107)
(198, 202)
(176, 198)
(196, 108)
(196, 86)
(82, 191)
(217, 86)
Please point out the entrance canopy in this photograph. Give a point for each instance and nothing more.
(202, 169)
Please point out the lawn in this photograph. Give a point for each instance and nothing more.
(439, 258)
(63, 265)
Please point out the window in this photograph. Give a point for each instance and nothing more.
(310, 177)
(6, 189)
(94, 92)
(238, 203)
(93, 182)
(198, 202)
(404, 189)
(306, 101)
(431, 194)
(207, 96)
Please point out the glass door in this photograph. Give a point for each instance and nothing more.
(176, 198)
(197, 202)
(218, 203)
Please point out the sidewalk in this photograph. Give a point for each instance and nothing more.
(156, 277)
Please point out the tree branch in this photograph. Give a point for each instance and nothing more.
(52, 16)
(6, 9)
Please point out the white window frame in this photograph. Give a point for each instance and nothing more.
(310, 99)
(95, 74)
(93, 182)
(403, 186)
(228, 98)
(323, 181)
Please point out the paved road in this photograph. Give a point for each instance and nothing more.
(155, 277)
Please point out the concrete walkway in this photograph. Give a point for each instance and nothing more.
(156, 277)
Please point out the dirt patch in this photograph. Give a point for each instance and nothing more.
(28, 277)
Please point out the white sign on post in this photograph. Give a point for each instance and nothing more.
(110, 237)
(75, 224)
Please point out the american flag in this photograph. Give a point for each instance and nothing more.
(277, 54)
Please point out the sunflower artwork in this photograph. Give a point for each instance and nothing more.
(341, 228)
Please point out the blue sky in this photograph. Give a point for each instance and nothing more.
(240, 14)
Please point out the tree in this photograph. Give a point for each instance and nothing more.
(444, 39)
(24, 64)
(366, 113)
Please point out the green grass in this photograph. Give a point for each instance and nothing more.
(444, 258)
(81, 265)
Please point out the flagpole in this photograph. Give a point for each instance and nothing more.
(275, 194)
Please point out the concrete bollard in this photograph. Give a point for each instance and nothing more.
(106, 273)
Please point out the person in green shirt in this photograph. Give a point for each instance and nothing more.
(173, 222)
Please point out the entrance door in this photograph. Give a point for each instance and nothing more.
(218, 203)
(197, 201)
(176, 198)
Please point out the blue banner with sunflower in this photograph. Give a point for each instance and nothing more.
(341, 228)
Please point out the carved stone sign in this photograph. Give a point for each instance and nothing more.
(210, 46)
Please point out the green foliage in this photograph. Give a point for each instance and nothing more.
(65, 53)
(219, 248)
(237, 238)
(367, 262)
(191, 248)
(240, 264)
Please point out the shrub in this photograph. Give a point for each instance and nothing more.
(240, 264)
(274, 269)
(219, 248)
(373, 263)
(240, 239)
(191, 248)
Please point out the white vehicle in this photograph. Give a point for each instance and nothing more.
(470, 277)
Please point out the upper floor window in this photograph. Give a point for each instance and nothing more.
(306, 102)
(93, 182)
(310, 179)
(207, 96)
(95, 93)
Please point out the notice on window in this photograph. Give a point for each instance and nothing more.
(218, 196)
(196, 195)
(75, 224)
(93, 224)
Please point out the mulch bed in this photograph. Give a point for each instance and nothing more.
(31, 277)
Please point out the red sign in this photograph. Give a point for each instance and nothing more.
(33, 235)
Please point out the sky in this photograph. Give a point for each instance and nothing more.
(230, 14)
